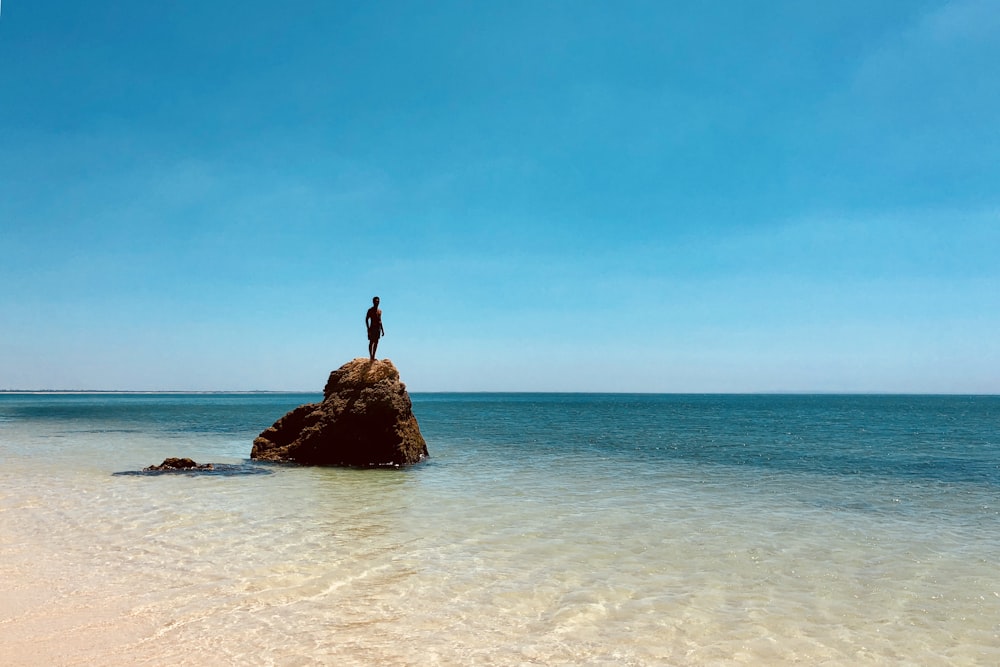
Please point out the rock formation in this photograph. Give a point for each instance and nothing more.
(365, 419)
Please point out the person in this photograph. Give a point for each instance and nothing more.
(373, 321)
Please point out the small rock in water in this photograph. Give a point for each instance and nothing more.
(178, 464)
(174, 466)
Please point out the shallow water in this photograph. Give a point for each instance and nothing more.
(545, 529)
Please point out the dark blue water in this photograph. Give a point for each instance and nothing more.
(237, 414)
(945, 438)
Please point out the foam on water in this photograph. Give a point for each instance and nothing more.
(543, 531)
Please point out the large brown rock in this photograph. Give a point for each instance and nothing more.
(365, 419)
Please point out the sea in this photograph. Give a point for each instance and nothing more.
(544, 529)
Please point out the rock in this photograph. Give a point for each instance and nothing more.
(178, 464)
(365, 419)
(214, 469)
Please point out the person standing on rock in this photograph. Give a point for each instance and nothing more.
(373, 321)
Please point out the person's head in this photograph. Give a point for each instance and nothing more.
(375, 300)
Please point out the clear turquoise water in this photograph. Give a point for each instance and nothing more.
(545, 529)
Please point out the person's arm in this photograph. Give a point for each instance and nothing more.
(381, 328)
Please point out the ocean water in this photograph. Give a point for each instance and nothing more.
(544, 530)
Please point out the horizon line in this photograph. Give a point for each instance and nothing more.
(783, 392)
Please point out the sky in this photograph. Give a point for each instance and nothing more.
(547, 195)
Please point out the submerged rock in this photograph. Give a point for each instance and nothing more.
(178, 464)
(365, 419)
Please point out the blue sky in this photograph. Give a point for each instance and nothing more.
(547, 196)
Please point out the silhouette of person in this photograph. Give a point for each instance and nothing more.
(373, 321)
